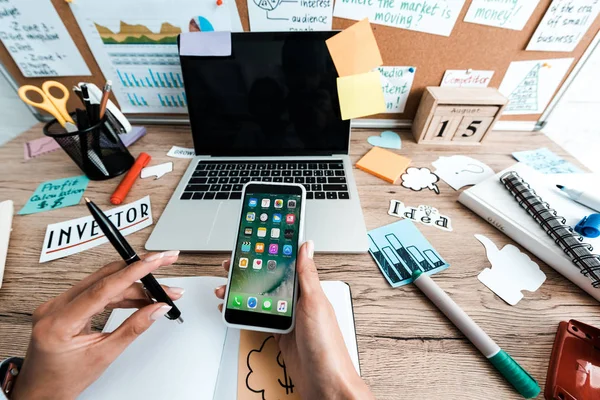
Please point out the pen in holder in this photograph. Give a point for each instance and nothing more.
(97, 150)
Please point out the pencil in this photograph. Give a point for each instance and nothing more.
(105, 94)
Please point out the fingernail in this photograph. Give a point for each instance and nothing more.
(160, 312)
(223, 263)
(154, 257)
(171, 253)
(310, 248)
(177, 290)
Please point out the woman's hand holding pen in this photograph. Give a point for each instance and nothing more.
(65, 356)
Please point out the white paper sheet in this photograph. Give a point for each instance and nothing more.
(564, 24)
(181, 152)
(38, 41)
(529, 85)
(396, 83)
(437, 17)
(290, 15)
(512, 14)
(76, 235)
(134, 43)
(170, 360)
(466, 78)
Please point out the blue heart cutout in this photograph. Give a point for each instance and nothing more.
(387, 139)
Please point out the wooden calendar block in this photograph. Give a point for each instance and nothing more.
(442, 128)
(457, 115)
(472, 129)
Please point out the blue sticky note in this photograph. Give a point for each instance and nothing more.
(56, 194)
(545, 161)
(399, 249)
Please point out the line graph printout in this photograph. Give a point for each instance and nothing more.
(135, 45)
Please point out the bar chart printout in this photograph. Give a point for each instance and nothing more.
(399, 249)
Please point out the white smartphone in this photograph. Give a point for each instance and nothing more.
(262, 288)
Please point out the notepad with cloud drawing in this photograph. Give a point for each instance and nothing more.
(196, 359)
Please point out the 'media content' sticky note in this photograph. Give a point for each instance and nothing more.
(360, 95)
(383, 164)
(355, 50)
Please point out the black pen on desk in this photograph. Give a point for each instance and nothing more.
(129, 256)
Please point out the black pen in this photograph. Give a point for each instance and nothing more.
(129, 255)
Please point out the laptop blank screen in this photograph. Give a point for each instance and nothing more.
(275, 95)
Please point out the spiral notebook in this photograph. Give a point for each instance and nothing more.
(541, 201)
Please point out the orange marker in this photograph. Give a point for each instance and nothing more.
(219, 2)
(125, 186)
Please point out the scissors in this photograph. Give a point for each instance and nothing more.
(57, 107)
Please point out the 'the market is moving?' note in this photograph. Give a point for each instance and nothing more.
(74, 236)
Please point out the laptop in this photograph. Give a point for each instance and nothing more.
(267, 113)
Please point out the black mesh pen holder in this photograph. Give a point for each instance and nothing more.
(98, 150)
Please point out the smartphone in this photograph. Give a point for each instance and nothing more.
(262, 288)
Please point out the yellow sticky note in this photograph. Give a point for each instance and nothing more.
(360, 95)
(355, 50)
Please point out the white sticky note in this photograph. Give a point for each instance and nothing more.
(425, 16)
(529, 85)
(512, 14)
(157, 170)
(181, 152)
(396, 83)
(458, 171)
(38, 41)
(283, 15)
(564, 24)
(217, 44)
(512, 271)
(76, 235)
(466, 78)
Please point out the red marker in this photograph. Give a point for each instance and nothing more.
(219, 2)
(125, 186)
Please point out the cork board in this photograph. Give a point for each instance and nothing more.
(469, 46)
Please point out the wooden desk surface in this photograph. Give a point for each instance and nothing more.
(407, 347)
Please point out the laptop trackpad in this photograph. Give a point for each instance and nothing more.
(224, 226)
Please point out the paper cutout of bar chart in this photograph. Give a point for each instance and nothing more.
(525, 95)
(399, 249)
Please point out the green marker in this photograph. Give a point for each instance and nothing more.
(509, 368)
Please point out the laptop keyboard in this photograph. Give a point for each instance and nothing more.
(222, 180)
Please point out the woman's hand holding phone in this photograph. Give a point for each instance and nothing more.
(315, 352)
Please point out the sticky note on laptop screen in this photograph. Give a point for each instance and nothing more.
(360, 95)
(355, 50)
(383, 164)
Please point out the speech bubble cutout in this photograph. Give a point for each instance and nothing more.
(458, 171)
(512, 271)
(157, 170)
(418, 179)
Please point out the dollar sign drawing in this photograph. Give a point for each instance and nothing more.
(43, 204)
(57, 202)
(287, 384)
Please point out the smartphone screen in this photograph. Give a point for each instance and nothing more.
(263, 277)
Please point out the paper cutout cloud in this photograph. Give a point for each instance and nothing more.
(420, 178)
